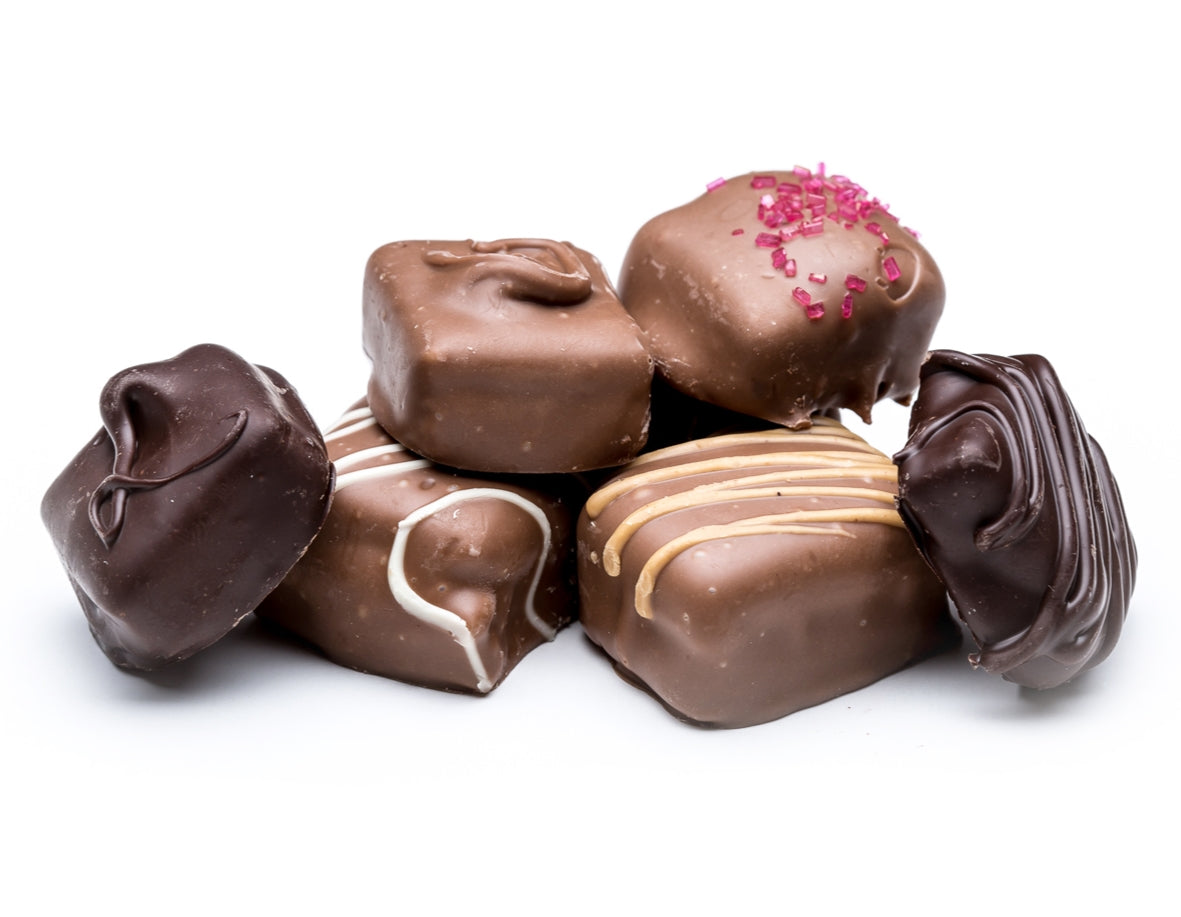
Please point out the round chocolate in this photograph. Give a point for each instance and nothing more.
(784, 294)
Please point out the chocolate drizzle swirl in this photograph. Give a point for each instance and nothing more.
(1062, 515)
(521, 267)
(116, 486)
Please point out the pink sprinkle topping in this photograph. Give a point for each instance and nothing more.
(847, 306)
(804, 207)
(737, 232)
(802, 296)
(814, 310)
(715, 184)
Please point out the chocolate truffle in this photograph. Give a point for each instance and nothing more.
(1015, 507)
(205, 486)
(428, 576)
(507, 356)
(742, 577)
(784, 294)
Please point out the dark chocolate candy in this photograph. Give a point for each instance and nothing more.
(746, 576)
(781, 295)
(1016, 509)
(507, 356)
(427, 576)
(205, 486)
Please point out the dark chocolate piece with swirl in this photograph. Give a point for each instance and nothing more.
(1014, 506)
(506, 356)
(206, 484)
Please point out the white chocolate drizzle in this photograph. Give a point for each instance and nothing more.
(443, 618)
(358, 467)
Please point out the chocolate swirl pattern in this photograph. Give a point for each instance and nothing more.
(742, 577)
(425, 575)
(538, 269)
(1016, 508)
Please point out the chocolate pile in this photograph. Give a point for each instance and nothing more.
(493, 484)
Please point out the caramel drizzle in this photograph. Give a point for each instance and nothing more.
(117, 485)
(864, 463)
(1045, 438)
(522, 276)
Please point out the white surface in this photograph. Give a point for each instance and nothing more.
(219, 172)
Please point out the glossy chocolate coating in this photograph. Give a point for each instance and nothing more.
(1015, 507)
(723, 321)
(743, 577)
(205, 486)
(427, 576)
(508, 356)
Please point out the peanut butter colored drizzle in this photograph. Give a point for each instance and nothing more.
(564, 280)
(1053, 463)
(849, 457)
(815, 477)
(120, 482)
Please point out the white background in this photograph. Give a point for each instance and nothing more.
(173, 174)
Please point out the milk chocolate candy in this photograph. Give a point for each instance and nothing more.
(784, 294)
(206, 484)
(743, 577)
(428, 576)
(1016, 508)
(507, 356)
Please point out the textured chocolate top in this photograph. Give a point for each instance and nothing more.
(1015, 507)
(206, 484)
(506, 356)
(780, 294)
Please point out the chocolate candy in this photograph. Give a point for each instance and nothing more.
(742, 577)
(784, 294)
(1015, 507)
(205, 486)
(428, 576)
(508, 356)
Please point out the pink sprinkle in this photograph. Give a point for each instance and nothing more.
(813, 227)
(818, 278)
(767, 240)
(802, 296)
(763, 181)
(766, 200)
(778, 258)
(814, 310)
(875, 228)
(737, 232)
(847, 306)
(789, 269)
(890, 266)
(820, 170)
(801, 172)
(715, 184)
(853, 282)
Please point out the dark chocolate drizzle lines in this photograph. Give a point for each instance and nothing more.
(1080, 614)
(117, 485)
